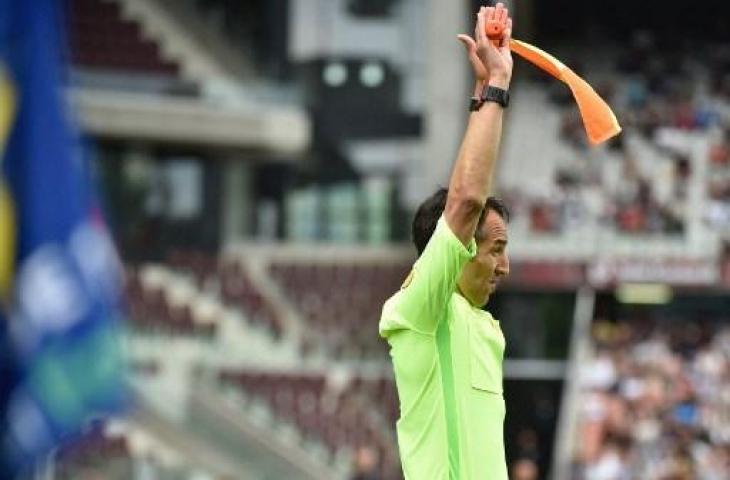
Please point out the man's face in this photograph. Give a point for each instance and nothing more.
(480, 276)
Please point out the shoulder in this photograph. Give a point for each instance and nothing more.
(389, 318)
(391, 303)
(398, 315)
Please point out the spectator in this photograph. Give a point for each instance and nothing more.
(655, 403)
(654, 95)
(366, 464)
(524, 469)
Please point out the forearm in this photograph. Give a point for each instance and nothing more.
(471, 178)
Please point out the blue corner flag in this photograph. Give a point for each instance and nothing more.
(60, 358)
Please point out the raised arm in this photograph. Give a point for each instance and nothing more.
(471, 177)
(423, 299)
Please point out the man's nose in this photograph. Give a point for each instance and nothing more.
(502, 268)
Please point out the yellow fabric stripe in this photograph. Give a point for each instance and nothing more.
(7, 212)
(7, 107)
(7, 241)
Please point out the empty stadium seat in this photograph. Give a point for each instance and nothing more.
(336, 417)
(155, 304)
(102, 39)
(342, 303)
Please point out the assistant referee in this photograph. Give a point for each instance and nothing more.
(447, 352)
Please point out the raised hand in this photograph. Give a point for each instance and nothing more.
(491, 62)
(480, 70)
(496, 23)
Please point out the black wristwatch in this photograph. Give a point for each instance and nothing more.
(495, 94)
(490, 94)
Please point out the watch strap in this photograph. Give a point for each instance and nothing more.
(498, 95)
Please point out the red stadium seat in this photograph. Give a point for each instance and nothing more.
(343, 300)
(102, 39)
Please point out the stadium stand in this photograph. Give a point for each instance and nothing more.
(227, 279)
(341, 414)
(124, 449)
(97, 450)
(640, 192)
(338, 305)
(183, 295)
(645, 182)
(237, 290)
(624, 189)
(344, 415)
(102, 39)
(160, 301)
(654, 401)
(341, 302)
(718, 182)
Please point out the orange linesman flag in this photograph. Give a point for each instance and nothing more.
(598, 119)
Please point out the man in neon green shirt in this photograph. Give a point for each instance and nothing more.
(447, 352)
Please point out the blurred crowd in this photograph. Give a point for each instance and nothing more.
(718, 183)
(641, 184)
(526, 464)
(655, 402)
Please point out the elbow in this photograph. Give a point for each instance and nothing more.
(464, 206)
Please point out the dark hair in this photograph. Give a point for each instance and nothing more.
(429, 212)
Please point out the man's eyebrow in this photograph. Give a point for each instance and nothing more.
(501, 241)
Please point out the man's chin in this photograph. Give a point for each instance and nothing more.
(479, 301)
(485, 299)
(488, 294)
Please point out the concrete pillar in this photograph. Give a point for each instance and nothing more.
(237, 198)
(447, 97)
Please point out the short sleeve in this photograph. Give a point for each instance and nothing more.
(425, 295)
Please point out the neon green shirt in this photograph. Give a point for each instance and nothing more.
(447, 357)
